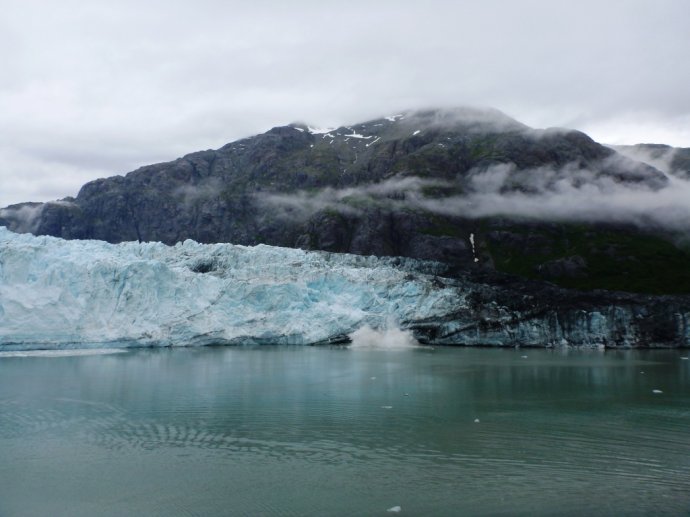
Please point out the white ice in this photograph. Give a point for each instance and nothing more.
(319, 130)
(354, 134)
(474, 250)
(56, 293)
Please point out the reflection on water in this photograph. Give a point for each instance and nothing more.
(295, 431)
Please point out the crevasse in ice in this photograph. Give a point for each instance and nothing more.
(56, 293)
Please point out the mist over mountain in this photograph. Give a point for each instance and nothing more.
(472, 188)
(671, 160)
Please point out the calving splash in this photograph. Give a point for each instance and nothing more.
(390, 337)
(57, 294)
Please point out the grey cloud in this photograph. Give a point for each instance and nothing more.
(609, 201)
(389, 193)
(191, 195)
(22, 218)
(569, 193)
(660, 158)
(167, 78)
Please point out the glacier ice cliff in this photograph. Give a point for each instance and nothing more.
(56, 293)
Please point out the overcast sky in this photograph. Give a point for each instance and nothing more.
(95, 88)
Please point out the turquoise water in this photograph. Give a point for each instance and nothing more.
(321, 431)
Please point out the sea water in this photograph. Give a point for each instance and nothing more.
(337, 431)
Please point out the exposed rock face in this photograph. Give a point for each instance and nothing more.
(513, 313)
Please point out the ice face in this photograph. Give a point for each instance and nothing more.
(57, 294)
(60, 294)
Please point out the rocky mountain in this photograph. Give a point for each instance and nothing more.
(472, 189)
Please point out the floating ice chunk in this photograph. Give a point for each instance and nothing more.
(684, 358)
(657, 391)
(386, 407)
(523, 357)
(394, 509)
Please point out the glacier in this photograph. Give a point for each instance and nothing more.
(57, 293)
(69, 294)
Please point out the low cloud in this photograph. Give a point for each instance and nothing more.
(610, 202)
(22, 218)
(26, 217)
(351, 201)
(658, 156)
(569, 193)
(191, 195)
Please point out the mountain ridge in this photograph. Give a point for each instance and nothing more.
(394, 186)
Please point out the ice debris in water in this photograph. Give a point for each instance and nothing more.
(476, 420)
(657, 391)
(394, 509)
(390, 337)
(56, 293)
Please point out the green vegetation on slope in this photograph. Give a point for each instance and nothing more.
(590, 257)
